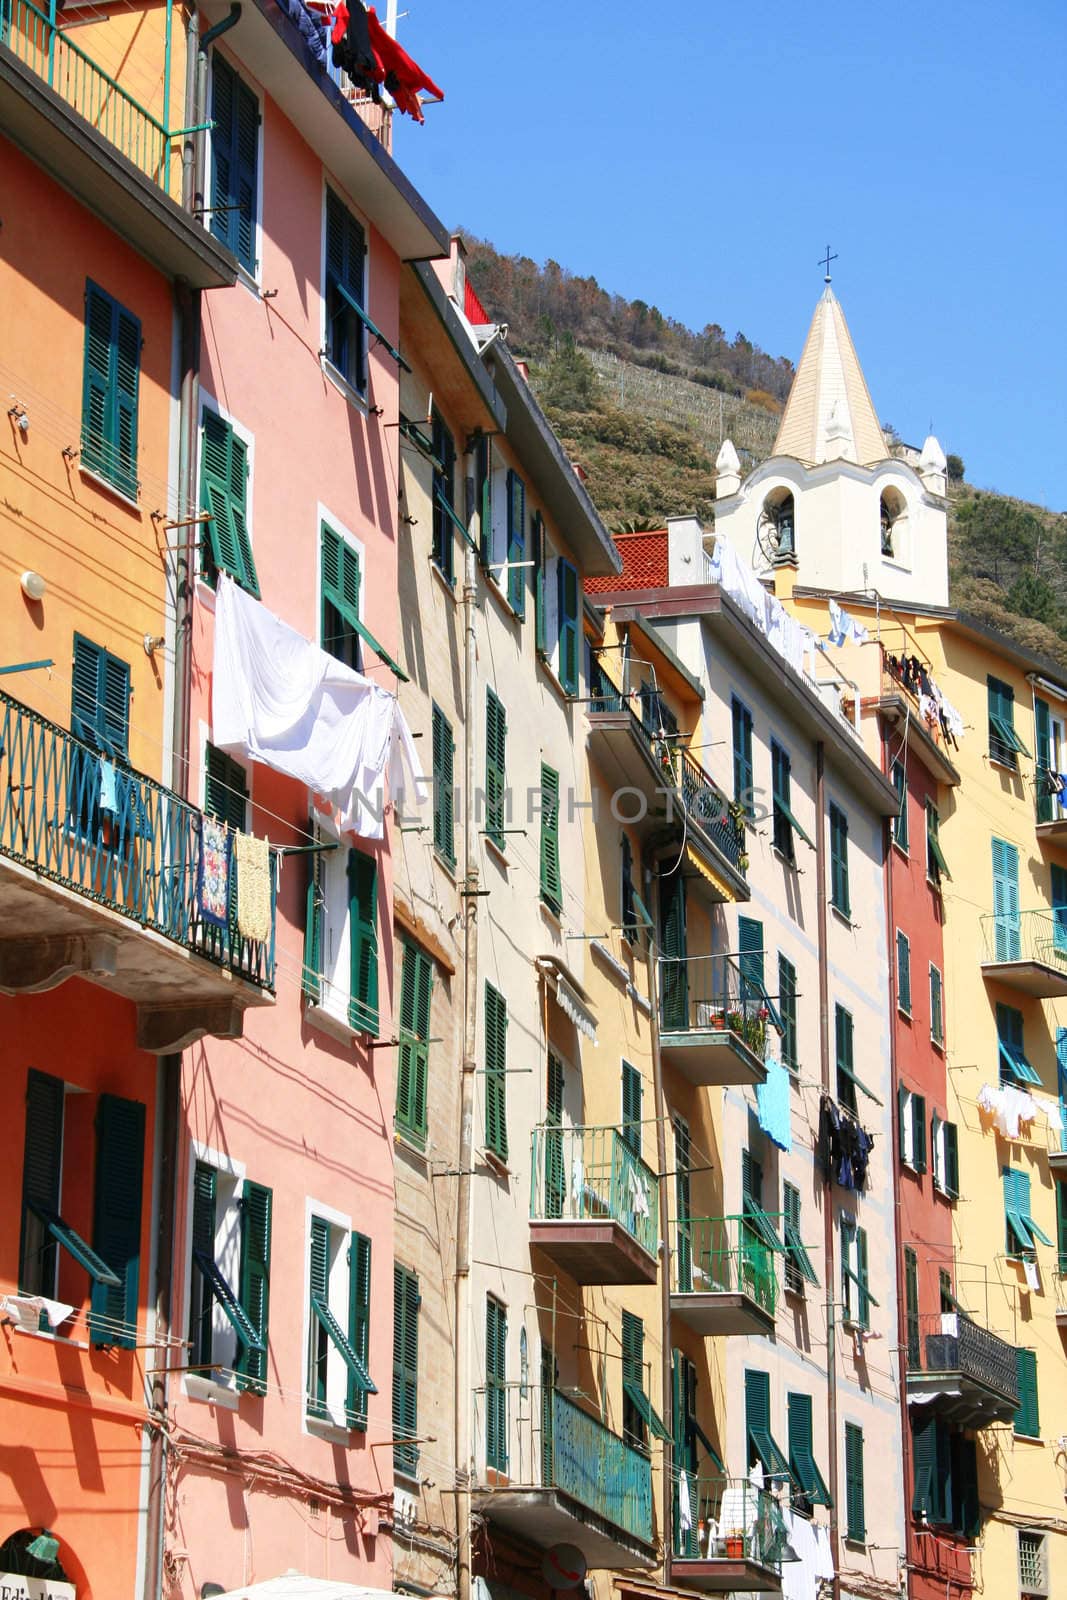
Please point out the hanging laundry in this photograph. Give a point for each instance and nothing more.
(800, 1579)
(213, 873)
(685, 1511)
(400, 75)
(252, 860)
(352, 50)
(773, 1105)
(1008, 1108)
(824, 1560)
(844, 628)
(109, 798)
(844, 1148)
(278, 699)
(1032, 1274)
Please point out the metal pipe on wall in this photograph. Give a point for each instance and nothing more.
(828, 1188)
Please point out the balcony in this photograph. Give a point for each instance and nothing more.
(1028, 952)
(593, 1205)
(1059, 1279)
(968, 1373)
(112, 895)
(723, 1279)
(1050, 806)
(663, 793)
(79, 123)
(713, 1021)
(727, 1536)
(900, 704)
(554, 1474)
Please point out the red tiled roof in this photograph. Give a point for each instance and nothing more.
(644, 563)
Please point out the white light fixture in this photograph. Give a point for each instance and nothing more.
(153, 642)
(33, 585)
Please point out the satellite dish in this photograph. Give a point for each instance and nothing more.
(563, 1567)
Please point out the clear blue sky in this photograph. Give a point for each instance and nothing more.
(700, 155)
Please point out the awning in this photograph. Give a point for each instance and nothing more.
(720, 885)
(293, 1585)
(572, 1007)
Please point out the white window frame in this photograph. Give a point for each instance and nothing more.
(251, 281)
(336, 1424)
(907, 1133)
(850, 1290)
(220, 1391)
(934, 1040)
(323, 514)
(330, 1011)
(362, 402)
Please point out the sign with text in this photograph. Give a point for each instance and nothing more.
(13, 1586)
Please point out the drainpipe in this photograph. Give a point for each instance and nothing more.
(200, 109)
(463, 1384)
(828, 1188)
(166, 1157)
(665, 1252)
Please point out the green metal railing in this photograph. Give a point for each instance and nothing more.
(717, 1255)
(135, 850)
(592, 1175)
(34, 39)
(726, 1519)
(538, 1438)
(715, 994)
(1027, 936)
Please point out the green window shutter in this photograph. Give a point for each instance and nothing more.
(496, 1422)
(85, 690)
(225, 788)
(234, 162)
(918, 1115)
(863, 1274)
(839, 888)
(120, 1132)
(227, 543)
(359, 1281)
(924, 1462)
(340, 584)
(537, 540)
(516, 543)
(443, 447)
(555, 1179)
(903, 973)
(496, 1031)
(1061, 1226)
(406, 1302)
(751, 1178)
(110, 388)
(750, 963)
(966, 1509)
(496, 732)
(318, 1291)
(937, 1006)
(570, 624)
(1005, 745)
(900, 821)
(742, 745)
(781, 802)
(363, 938)
(1058, 897)
(416, 991)
(551, 886)
(205, 1188)
(952, 1160)
(855, 1514)
(633, 1377)
(1006, 924)
(485, 500)
(257, 1208)
(846, 1088)
(628, 911)
(443, 783)
(631, 1107)
(802, 1452)
(1013, 1060)
(345, 252)
(41, 1180)
(911, 1303)
(762, 1445)
(314, 912)
(100, 699)
(787, 1008)
(1027, 1421)
(1043, 744)
(798, 1266)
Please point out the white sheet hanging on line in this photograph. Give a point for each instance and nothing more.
(280, 700)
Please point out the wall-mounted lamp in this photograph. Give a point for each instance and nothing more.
(33, 585)
(19, 415)
(153, 642)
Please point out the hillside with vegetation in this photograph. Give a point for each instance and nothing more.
(643, 403)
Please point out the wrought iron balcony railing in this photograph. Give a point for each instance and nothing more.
(950, 1342)
(723, 1255)
(132, 846)
(715, 994)
(1039, 936)
(592, 1175)
(726, 1519)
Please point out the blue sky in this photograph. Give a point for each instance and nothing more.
(700, 156)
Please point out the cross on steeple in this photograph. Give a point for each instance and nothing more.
(824, 262)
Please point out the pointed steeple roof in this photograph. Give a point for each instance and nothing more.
(829, 415)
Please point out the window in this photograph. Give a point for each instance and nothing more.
(688, 1435)
(855, 1517)
(1023, 1232)
(634, 1400)
(363, 937)
(226, 542)
(346, 254)
(406, 1303)
(1027, 1420)
(100, 718)
(496, 1053)
(557, 608)
(1061, 1229)
(628, 911)
(496, 1395)
(1005, 746)
(338, 1381)
(225, 788)
(234, 162)
(555, 1173)
(945, 1472)
(843, 1032)
(936, 865)
(1006, 925)
(855, 1284)
(937, 1006)
(416, 989)
(760, 1225)
(496, 734)
(806, 1474)
(1014, 1066)
(1058, 902)
(762, 1446)
(1033, 1569)
(631, 1107)
(444, 749)
(903, 974)
(798, 1267)
(911, 1309)
(1049, 742)
(444, 496)
(569, 610)
(785, 823)
(340, 968)
(945, 1156)
(911, 1127)
(110, 387)
(839, 861)
(52, 1252)
(742, 732)
(517, 547)
(947, 1298)
(900, 821)
(551, 887)
(340, 624)
(750, 959)
(230, 1247)
(787, 1008)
